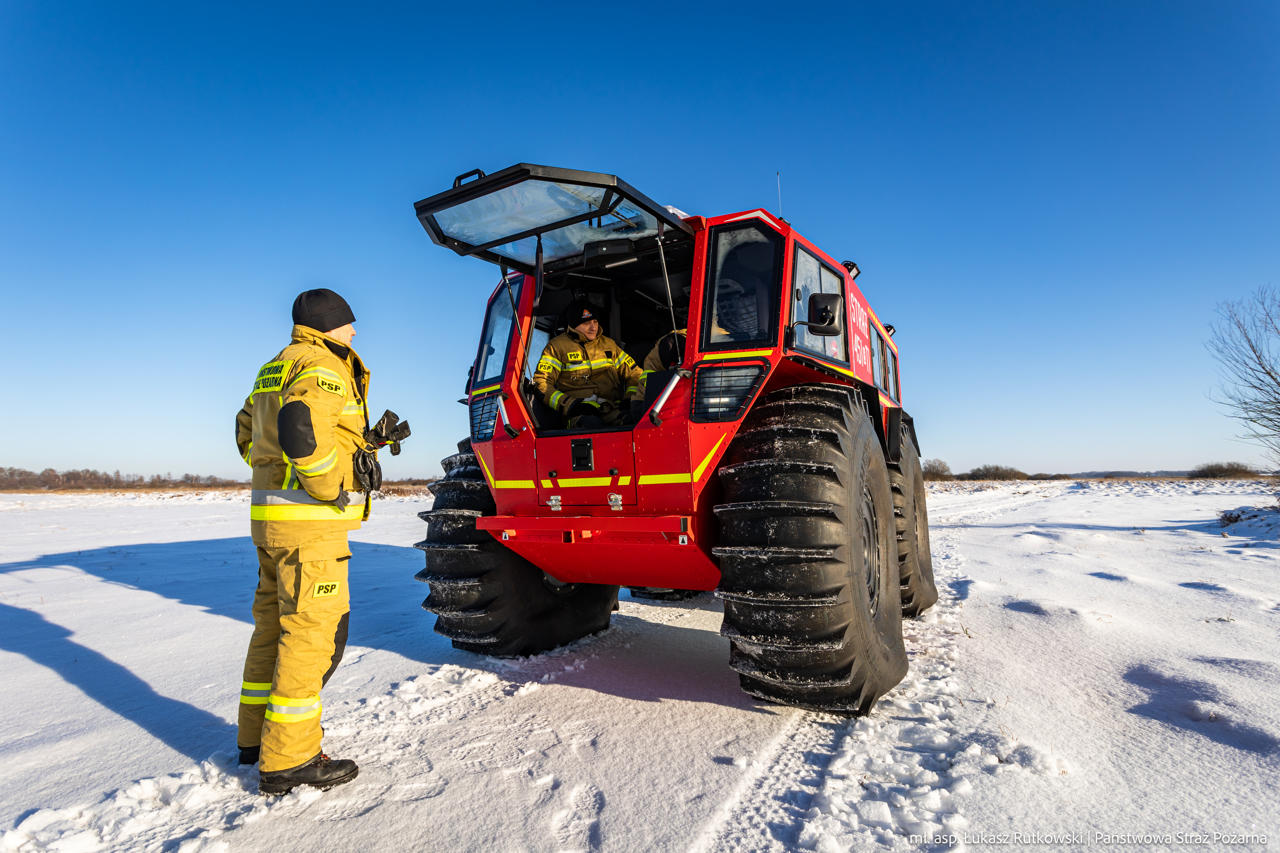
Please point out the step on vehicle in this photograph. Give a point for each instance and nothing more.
(773, 463)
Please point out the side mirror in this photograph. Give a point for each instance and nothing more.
(824, 315)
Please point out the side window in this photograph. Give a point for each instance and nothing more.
(812, 276)
(891, 363)
(743, 278)
(877, 354)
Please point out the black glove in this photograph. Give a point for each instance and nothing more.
(582, 407)
(368, 470)
(635, 410)
(342, 501)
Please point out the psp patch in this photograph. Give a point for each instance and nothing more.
(330, 386)
(324, 589)
(546, 366)
(573, 356)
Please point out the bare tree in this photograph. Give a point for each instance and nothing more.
(1246, 342)
(936, 469)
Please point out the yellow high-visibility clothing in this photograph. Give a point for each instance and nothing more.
(574, 368)
(315, 389)
(299, 429)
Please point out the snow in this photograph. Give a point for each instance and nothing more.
(1102, 669)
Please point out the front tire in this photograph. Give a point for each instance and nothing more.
(809, 570)
(487, 598)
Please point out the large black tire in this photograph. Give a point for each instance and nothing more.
(911, 518)
(487, 598)
(809, 575)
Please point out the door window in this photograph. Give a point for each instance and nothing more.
(812, 276)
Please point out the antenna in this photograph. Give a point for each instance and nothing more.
(779, 193)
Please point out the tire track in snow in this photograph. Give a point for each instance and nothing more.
(834, 783)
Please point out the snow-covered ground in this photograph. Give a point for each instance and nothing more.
(1103, 669)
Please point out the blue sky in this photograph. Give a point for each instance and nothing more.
(1048, 199)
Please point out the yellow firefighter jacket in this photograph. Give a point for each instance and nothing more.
(302, 424)
(574, 368)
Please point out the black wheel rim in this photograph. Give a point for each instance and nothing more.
(871, 548)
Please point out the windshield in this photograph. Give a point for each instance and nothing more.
(496, 341)
(533, 204)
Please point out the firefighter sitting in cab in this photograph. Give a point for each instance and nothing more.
(584, 375)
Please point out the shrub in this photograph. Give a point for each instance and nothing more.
(1221, 470)
(936, 469)
(993, 472)
(1049, 477)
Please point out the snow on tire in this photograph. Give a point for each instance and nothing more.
(809, 569)
(487, 598)
(911, 518)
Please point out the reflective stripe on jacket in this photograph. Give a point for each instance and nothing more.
(573, 368)
(299, 428)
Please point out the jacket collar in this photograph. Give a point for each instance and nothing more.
(308, 335)
(579, 338)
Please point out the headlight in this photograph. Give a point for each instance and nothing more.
(721, 393)
(484, 415)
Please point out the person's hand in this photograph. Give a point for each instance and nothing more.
(582, 407)
(342, 501)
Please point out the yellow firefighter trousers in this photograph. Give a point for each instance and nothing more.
(300, 613)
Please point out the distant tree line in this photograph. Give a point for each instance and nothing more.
(19, 479)
(937, 469)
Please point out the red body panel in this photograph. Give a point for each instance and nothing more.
(664, 474)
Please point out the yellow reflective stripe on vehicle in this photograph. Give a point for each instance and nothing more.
(663, 479)
(321, 372)
(624, 481)
(283, 709)
(502, 484)
(712, 356)
(486, 389)
(303, 512)
(317, 468)
(668, 479)
(575, 482)
(702, 466)
(483, 467)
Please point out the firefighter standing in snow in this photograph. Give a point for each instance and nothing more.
(585, 375)
(300, 429)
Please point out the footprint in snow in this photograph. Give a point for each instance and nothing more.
(577, 827)
(1107, 576)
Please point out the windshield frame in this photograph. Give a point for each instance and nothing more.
(616, 192)
(498, 302)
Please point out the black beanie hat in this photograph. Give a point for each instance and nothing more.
(322, 310)
(579, 312)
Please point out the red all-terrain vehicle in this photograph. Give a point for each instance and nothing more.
(773, 463)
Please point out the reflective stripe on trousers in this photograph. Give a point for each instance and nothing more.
(283, 709)
(254, 692)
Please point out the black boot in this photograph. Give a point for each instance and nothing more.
(320, 772)
(249, 754)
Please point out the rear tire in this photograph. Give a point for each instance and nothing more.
(809, 575)
(487, 598)
(911, 518)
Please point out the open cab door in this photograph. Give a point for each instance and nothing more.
(575, 216)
